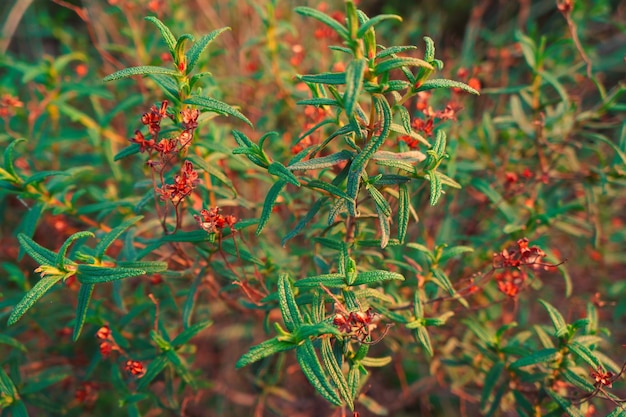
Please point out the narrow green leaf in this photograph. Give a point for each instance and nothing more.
(8, 157)
(92, 274)
(263, 350)
(330, 78)
(354, 379)
(496, 198)
(141, 70)
(584, 353)
(154, 369)
(540, 356)
(319, 101)
(491, 379)
(43, 175)
(242, 139)
(212, 170)
(14, 343)
(449, 253)
(398, 62)
(278, 169)
(216, 106)
(429, 53)
(560, 327)
(444, 83)
(322, 162)
(381, 203)
(384, 221)
(341, 30)
(305, 220)
(268, 205)
(190, 332)
(40, 254)
(335, 373)
(422, 336)
(111, 236)
(7, 387)
(328, 280)
(190, 301)
(167, 35)
(288, 306)
(354, 83)
(39, 289)
(330, 188)
(127, 151)
(565, 404)
(374, 21)
(435, 187)
(403, 211)
(84, 296)
(378, 276)
(392, 50)
(312, 369)
(193, 54)
(376, 142)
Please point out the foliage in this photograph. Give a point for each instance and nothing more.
(383, 224)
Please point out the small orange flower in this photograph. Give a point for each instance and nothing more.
(135, 368)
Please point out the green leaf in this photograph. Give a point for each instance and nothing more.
(422, 336)
(491, 379)
(498, 201)
(268, 205)
(43, 175)
(288, 306)
(584, 353)
(7, 387)
(378, 276)
(429, 53)
(384, 221)
(449, 253)
(150, 267)
(127, 151)
(403, 211)
(193, 54)
(216, 106)
(167, 35)
(392, 50)
(140, 70)
(398, 62)
(191, 298)
(330, 188)
(377, 141)
(381, 203)
(330, 78)
(312, 369)
(278, 169)
(8, 157)
(92, 274)
(319, 101)
(181, 367)
(328, 280)
(305, 220)
(354, 83)
(560, 327)
(436, 188)
(212, 170)
(14, 343)
(540, 356)
(444, 83)
(341, 30)
(263, 350)
(154, 369)
(374, 21)
(40, 254)
(322, 162)
(111, 236)
(564, 404)
(334, 370)
(190, 332)
(84, 296)
(39, 289)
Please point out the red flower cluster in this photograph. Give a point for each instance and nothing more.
(107, 344)
(87, 393)
(213, 222)
(512, 279)
(519, 255)
(135, 368)
(8, 104)
(603, 378)
(357, 324)
(183, 184)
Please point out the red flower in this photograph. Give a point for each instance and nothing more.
(135, 368)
